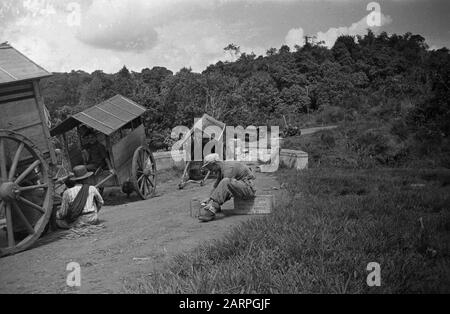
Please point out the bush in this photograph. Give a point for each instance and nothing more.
(400, 129)
(379, 146)
(331, 114)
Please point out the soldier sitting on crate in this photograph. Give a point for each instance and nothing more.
(81, 203)
(95, 156)
(234, 179)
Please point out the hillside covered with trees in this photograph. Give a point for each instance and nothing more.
(388, 93)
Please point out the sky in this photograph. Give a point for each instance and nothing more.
(89, 35)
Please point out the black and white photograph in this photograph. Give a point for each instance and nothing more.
(223, 154)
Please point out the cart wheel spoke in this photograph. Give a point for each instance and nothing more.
(34, 169)
(149, 186)
(33, 187)
(144, 186)
(23, 218)
(3, 207)
(32, 205)
(142, 158)
(139, 161)
(147, 163)
(9, 226)
(3, 173)
(12, 171)
(143, 163)
(141, 185)
(27, 171)
(149, 180)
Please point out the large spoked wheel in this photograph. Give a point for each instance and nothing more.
(26, 193)
(144, 172)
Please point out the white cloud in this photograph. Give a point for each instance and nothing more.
(135, 33)
(189, 44)
(55, 46)
(124, 25)
(358, 28)
(295, 37)
(113, 33)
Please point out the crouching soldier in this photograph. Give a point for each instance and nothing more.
(81, 203)
(234, 179)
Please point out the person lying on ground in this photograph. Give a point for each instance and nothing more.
(80, 204)
(234, 179)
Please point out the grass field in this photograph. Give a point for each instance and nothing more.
(325, 230)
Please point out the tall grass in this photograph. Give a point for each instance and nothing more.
(327, 227)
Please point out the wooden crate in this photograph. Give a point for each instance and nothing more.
(261, 204)
(294, 159)
(195, 207)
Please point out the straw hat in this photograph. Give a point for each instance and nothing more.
(80, 173)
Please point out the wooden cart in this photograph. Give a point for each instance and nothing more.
(28, 163)
(118, 125)
(27, 155)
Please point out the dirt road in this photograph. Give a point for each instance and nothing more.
(138, 237)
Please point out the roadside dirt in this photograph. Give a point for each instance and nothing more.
(138, 237)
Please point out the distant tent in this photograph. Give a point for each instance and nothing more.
(202, 125)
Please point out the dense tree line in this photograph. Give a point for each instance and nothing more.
(390, 78)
